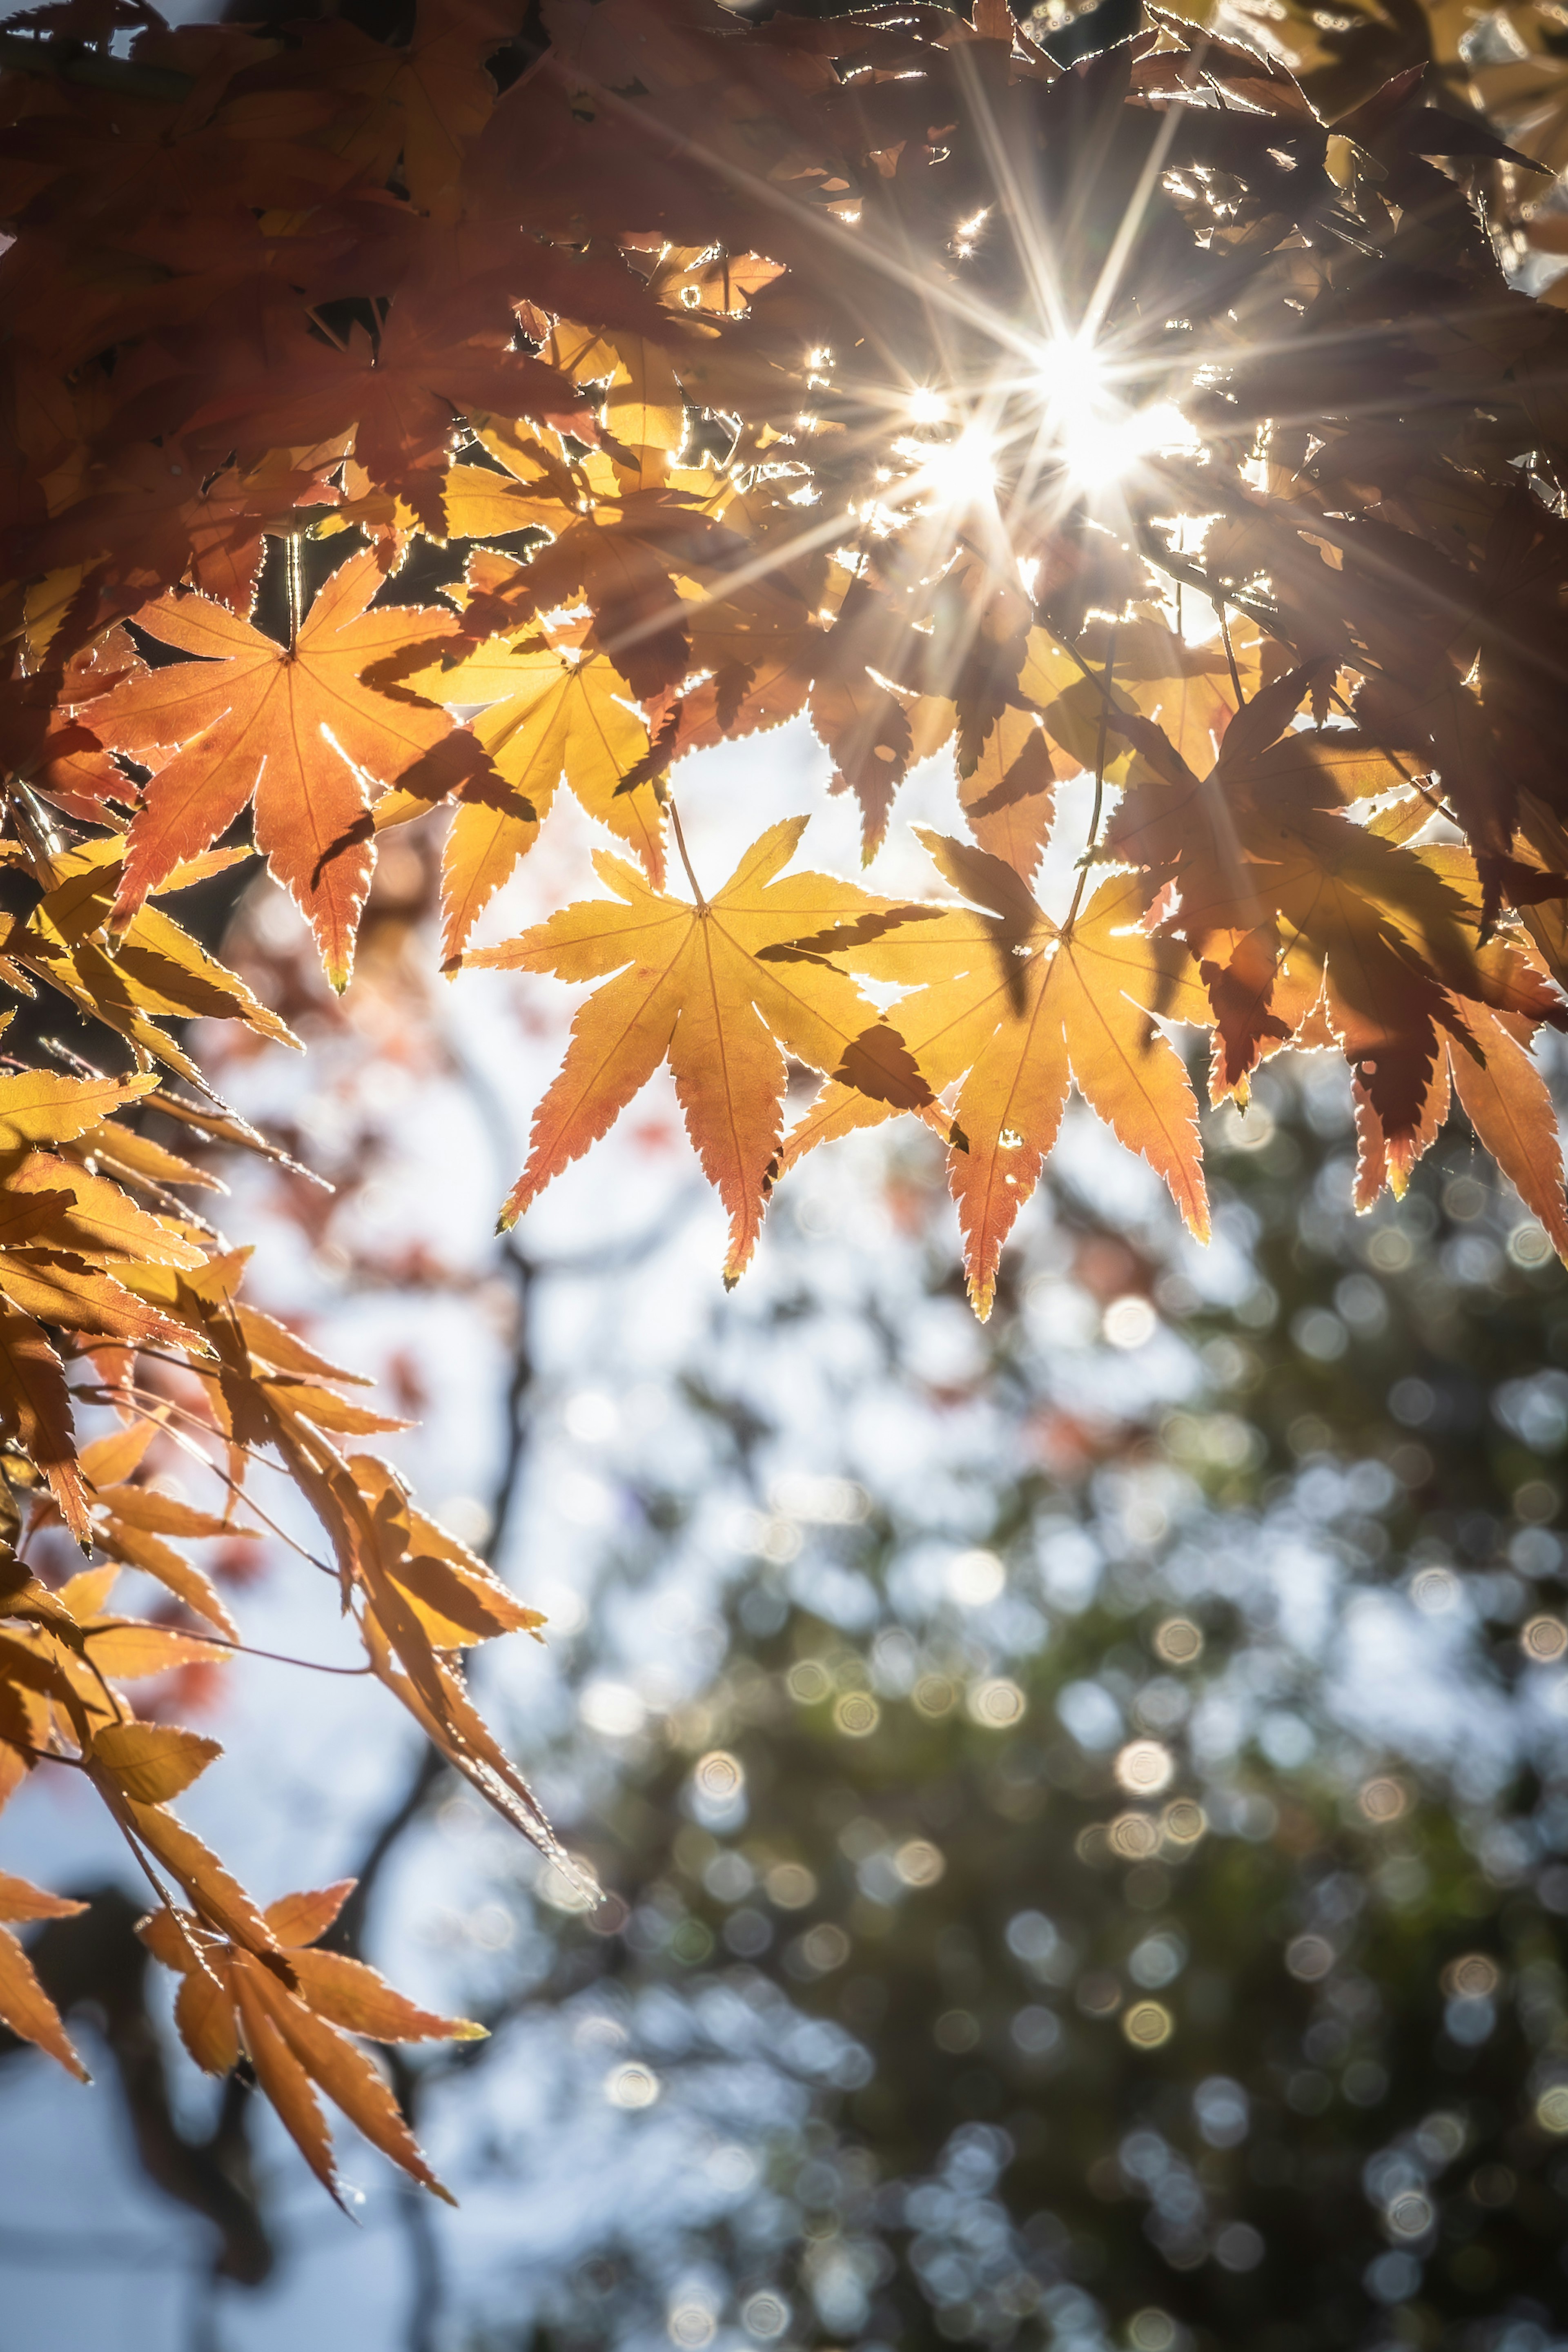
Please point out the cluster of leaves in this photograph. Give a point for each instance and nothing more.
(1509, 67)
(748, 361)
(108, 1274)
(758, 338)
(118, 1298)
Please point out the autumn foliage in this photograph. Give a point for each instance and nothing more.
(1163, 418)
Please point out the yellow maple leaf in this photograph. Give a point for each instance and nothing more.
(695, 981)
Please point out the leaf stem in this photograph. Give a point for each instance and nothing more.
(165, 1899)
(39, 837)
(189, 1445)
(1230, 657)
(685, 860)
(276, 1657)
(316, 320)
(1081, 883)
(294, 578)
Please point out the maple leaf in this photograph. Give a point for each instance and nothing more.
(1008, 797)
(854, 710)
(1019, 1008)
(1188, 690)
(154, 971)
(400, 397)
(623, 560)
(476, 502)
(703, 990)
(25, 2006)
(1484, 1059)
(147, 521)
(43, 741)
(1271, 874)
(1509, 1105)
(755, 650)
(425, 102)
(553, 715)
(293, 2020)
(292, 726)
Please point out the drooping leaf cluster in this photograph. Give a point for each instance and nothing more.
(117, 1296)
(1143, 419)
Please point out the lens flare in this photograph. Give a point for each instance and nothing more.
(960, 472)
(1072, 375)
(1099, 436)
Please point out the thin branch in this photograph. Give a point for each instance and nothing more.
(316, 320)
(165, 1899)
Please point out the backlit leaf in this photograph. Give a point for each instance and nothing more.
(28, 2009)
(293, 727)
(701, 991)
(150, 1761)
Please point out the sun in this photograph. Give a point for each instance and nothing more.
(1096, 432)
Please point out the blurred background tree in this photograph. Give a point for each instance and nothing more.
(1199, 1927)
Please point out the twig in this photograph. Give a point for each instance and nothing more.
(317, 320)
(165, 1899)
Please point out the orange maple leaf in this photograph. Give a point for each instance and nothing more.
(294, 725)
(1017, 1008)
(293, 2018)
(25, 2006)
